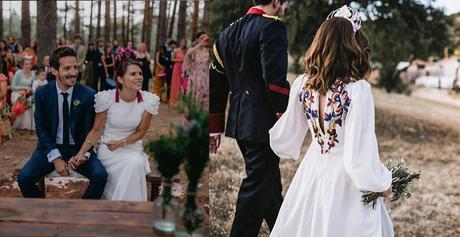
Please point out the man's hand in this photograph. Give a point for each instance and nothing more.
(214, 143)
(61, 167)
(114, 145)
(77, 160)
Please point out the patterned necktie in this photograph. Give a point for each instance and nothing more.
(65, 119)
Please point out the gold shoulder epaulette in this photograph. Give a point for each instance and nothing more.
(272, 17)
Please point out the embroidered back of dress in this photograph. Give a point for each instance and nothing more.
(335, 113)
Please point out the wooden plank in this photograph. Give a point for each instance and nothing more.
(77, 204)
(15, 229)
(58, 217)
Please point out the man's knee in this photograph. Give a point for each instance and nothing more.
(99, 175)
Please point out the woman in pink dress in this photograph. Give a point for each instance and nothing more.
(178, 59)
(197, 64)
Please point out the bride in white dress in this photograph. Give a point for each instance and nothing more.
(123, 116)
(324, 197)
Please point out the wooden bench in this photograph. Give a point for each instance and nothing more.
(153, 178)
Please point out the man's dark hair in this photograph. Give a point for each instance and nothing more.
(77, 36)
(265, 2)
(60, 53)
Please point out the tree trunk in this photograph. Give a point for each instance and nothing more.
(132, 22)
(114, 20)
(182, 20)
(77, 17)
(123, 24)
(66, 9)
(149, 25)
(205, 25)
(25, 23)
(90, 35)
(11, 21)
(196, 7)
(146, 18)
(98, 27)
(128, 21)
(107, 21)
(161, 28)
(1, 19)
(173, 18)
(46, 28)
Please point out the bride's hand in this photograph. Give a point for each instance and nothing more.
(114, 145)
(388, 192)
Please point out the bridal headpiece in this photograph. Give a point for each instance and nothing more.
(122, 56)
(348, 13)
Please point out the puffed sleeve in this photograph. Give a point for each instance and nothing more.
(151, 102)
(288, 133)
(103, 100)
(361, 155)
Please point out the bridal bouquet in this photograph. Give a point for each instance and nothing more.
(402, 179)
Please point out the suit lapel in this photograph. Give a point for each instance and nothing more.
(54, 110)
(76, 100)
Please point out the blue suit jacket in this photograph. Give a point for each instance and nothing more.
(47, 117)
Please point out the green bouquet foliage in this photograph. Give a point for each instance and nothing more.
(402, 179)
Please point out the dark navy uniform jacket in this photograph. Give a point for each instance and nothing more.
(249, 69)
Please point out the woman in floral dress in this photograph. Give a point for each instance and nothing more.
(197, 65)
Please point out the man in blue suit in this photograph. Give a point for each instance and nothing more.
(64, 114)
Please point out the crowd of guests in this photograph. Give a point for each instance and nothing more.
(176, 68)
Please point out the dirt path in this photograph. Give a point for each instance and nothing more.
(24, 142)
(423, 132)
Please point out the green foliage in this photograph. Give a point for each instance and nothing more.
(402, 178)
(225, 12)
(169, 153)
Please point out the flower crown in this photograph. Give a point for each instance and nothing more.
(123, 55)
(348, 13)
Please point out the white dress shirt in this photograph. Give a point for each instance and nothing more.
(54, 154)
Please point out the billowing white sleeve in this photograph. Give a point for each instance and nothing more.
(361, 154)
(288, 133)
(103, 100)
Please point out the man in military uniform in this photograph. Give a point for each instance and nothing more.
(250, 68)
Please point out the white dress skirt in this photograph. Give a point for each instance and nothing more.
(126, 166)
(324, 197)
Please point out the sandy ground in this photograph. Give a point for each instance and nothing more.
(22, 146)
(423, 132)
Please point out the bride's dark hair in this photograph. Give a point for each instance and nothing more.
(336, 53)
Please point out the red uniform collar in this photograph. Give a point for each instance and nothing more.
(257, 11)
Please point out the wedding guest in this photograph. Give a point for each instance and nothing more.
(3, 90)
(197, 64)
(12, 44)
(22, 87)
(61, 42)
(159, 83)
(46, 65)
(80, 51)
(40, 74)
(108, 62)
(176, 81)
(144, 60)
(115, 47)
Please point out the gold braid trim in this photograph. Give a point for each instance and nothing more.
(214, 49)
(272, 17)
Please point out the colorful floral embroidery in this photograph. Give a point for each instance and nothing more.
(335, 113)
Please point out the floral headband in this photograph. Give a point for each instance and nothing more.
(348, 13)
(124, 55)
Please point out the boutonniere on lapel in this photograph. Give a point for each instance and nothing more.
(76, 103)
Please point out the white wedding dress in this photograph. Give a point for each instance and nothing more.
(324, 197)
(126, 166)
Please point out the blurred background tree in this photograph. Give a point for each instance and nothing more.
(398, 30)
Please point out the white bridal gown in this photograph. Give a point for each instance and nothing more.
(126, 166)
(324, 197)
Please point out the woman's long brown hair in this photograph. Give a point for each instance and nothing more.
(336, 53)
